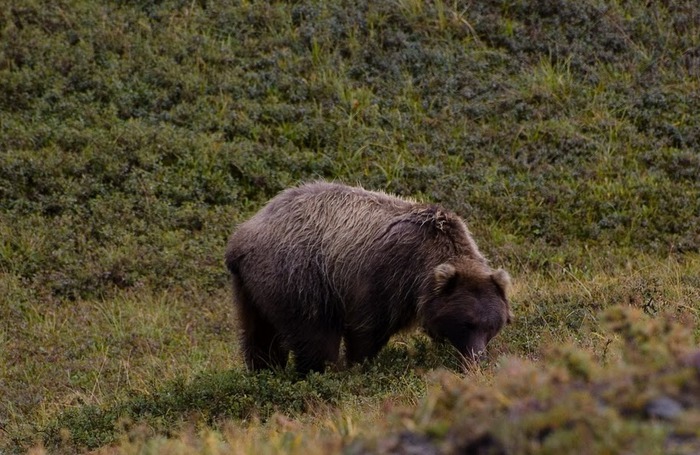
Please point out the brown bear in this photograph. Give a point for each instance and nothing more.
(323, 262)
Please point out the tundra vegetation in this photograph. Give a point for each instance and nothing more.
(134, 135)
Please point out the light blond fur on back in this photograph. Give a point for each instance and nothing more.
(338, 230)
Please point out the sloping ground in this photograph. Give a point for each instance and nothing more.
(136, 134)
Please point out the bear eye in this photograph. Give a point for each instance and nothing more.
(449, 285)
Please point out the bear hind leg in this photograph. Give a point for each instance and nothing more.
(261, 342)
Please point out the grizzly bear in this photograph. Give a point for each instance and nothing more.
(325, 262)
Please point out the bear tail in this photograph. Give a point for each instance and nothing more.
(232, 260)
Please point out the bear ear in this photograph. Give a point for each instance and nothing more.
(444, 274)
(502, 280)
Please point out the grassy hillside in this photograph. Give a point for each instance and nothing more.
(134, 135)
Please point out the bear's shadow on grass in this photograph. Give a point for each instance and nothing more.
(237, 394)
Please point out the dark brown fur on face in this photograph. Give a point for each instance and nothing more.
(325, 262)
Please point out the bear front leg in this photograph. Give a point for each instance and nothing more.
(363, 345)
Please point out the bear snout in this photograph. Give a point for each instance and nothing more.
(474, 351)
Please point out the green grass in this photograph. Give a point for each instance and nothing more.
(135, 135)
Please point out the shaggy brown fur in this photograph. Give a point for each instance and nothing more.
(324, 262)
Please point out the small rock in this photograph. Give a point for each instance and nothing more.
(408, 443)
(663, 408)
(693, 360)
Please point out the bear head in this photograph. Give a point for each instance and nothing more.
(466, 304)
